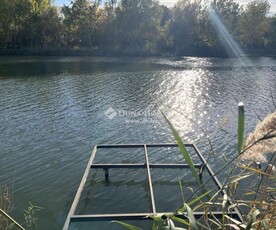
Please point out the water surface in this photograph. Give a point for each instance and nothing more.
(53, 113)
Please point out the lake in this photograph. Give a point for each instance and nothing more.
(55, 109)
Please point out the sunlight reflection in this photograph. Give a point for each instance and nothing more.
(229, 44)
(188, 107)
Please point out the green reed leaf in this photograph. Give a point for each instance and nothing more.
(240, 126)
(191, 217)
(181, 189)
(239, 177)
(180, 220)
(183, 150)
(223, 204)
(171, 226)
(128, 226)
(252, 219)
(157, 218)
(183, 207)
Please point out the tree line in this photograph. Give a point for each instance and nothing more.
(137, 27)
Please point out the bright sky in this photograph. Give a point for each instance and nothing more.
(170, 3)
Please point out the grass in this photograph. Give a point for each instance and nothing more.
(7, 222)
(5, 206)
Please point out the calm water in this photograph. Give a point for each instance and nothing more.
(53, 111)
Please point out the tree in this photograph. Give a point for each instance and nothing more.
(271, 35)
(13, 15)
(138, 24)
(228, 12)
(107, 26)
(222, 27)
(186, 25)
(164, 42)
(28, 23)
(43, 25)
(254, 24)
(80, 23)
(50, 28)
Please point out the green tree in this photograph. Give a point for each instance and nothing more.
(138, 24)
(186, 26)
(13, 15)
(271, 35)
(42, 28)
(28, 23)
(228, 11)
(81, 23)
(107, 26)
(164, 42)
(254, 24)
(221, 27)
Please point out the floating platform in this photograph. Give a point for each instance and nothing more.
(202, 167)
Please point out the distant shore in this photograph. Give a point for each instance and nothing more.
(128, 53)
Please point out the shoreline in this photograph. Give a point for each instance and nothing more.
(65, 52)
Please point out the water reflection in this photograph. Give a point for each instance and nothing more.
(51, 116)
(187, 100)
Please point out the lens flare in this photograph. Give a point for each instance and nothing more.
(230, 45)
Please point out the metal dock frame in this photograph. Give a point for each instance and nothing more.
(72, 217)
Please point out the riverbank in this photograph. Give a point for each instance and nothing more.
(59, 51)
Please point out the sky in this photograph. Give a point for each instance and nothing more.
(170, 3)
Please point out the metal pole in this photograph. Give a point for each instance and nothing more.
(11, 219)
(215, 179)
(150, 182)
(81, 186)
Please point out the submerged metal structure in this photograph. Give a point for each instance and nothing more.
(203, 166)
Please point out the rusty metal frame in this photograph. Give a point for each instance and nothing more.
(72, 217)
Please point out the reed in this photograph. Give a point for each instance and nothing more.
(257, 205)
(7, 222)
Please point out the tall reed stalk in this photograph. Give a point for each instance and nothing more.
(261, 212)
